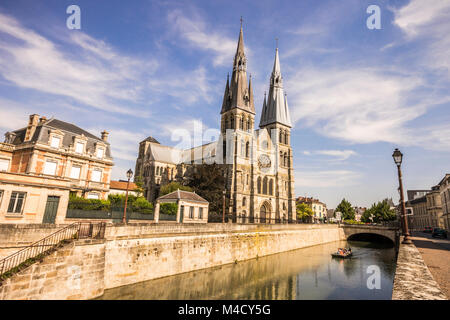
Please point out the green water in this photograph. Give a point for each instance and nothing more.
(309, 273)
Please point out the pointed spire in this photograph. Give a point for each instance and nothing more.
(226, 94)
(239, 89)
(251, 103)
(276, 110)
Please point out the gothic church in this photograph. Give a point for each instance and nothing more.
(258, 163)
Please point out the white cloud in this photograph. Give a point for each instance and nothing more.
(429, 23)
(358, 105)
(188, 87)
(326, 178)
(338, 154)
(89, 72)
(195, 31)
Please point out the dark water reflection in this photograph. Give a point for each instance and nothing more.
(308, 273)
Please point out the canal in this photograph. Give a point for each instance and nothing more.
(308, 273)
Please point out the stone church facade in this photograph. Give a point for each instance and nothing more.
(257, 163)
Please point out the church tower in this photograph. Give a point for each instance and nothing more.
(237, 126)
(276, 119)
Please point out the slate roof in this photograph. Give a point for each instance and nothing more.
(41, 135)
(183, 195)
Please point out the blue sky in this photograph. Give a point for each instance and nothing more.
(143, 68)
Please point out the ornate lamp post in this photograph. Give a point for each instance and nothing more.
(398, 156)
(223, 206)
(129, 175)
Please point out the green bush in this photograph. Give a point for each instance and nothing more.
(353, 222)
(142, 205)
(89, 204)
(168, 208)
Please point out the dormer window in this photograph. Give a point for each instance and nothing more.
(100, 153)
(55, 142)
(79, 147)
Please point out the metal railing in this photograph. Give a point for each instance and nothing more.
(251, 220)
(37, 250)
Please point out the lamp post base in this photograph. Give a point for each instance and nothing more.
(407, 240)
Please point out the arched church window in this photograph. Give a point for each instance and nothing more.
(281, 136)
(271, 187)
(248, 125)
(244, 201)
(259, 184)
(285, 159)
(247, 149)
(242, 123)
(265, 185)
(286, 138)
(232, 123)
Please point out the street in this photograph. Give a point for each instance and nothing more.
(436, 254)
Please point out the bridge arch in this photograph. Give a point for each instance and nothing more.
(371, 233)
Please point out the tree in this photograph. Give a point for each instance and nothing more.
(380, 211)
(208, 181)
(173, 186)
(304, 211)
(139, 182)
(346, 210)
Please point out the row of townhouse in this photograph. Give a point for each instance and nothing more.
(430, 208)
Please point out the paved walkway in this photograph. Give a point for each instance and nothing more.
(436, 255)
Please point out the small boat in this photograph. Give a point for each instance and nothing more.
(347, 254)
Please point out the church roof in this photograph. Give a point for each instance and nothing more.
(275, 109)
(151, 139)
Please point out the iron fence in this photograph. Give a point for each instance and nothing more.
(35, 251)
(251, 220)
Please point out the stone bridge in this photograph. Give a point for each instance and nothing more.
(355, 231)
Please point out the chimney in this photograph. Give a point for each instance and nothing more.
(105, 135)
(42, 120)
(32, 123)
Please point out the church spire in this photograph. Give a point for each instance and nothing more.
(276, 109)
(241, 94)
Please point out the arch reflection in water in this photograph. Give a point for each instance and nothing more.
(308, 273)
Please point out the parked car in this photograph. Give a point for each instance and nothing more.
(428, 229)
(438, 232)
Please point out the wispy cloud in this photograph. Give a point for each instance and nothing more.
(326, 178)
(194, 30)
(429, 23)
(358, 105)
(91, 72)
(337, 154)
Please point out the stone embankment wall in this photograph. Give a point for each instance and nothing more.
(135, 253)
(413, 280)
(75, 271)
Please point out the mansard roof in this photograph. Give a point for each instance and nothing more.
(276, 109)
(42, 133)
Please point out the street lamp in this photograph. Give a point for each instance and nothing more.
(129, 175)
(223, 206)
(398, 157)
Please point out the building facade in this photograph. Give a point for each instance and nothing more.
(444, 190)
(420, 218)
(54, 148)
(257, 163)
(319, 208)
(434, 208)
(45, 162)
